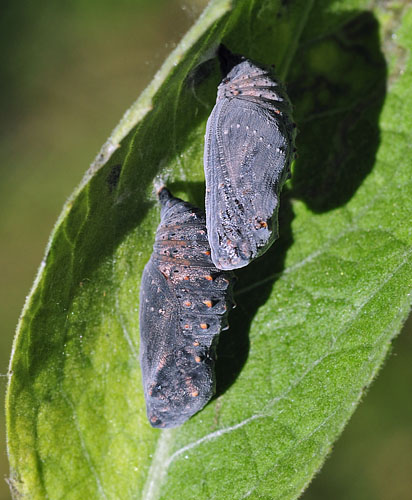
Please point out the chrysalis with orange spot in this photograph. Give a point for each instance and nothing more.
(249, 145)
(184, 304)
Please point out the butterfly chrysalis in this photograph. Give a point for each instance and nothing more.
(249, 146)
(184, 303)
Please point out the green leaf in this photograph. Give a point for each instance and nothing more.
(315, 315)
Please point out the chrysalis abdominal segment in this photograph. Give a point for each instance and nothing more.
(249, 146)
(184, 303)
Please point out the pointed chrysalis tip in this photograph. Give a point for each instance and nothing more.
(159, 184)
(228, 60)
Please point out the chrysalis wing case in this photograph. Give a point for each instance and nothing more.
(249, 146)
(184, 303)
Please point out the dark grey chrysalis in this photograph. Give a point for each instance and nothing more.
(249, 145)
(184, 303)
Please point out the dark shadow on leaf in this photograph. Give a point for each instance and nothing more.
(337, 110)
(255, 283)
(337, 85)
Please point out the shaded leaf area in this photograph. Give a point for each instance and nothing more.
(315, 314)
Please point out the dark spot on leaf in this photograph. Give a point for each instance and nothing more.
(113, 177)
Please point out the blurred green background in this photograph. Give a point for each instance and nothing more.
(68, 72)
